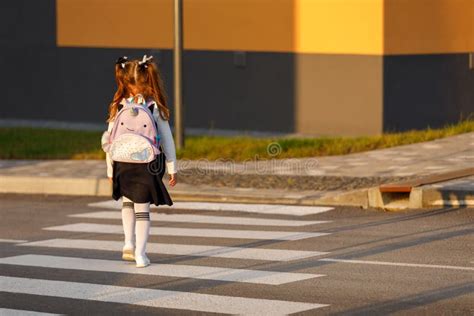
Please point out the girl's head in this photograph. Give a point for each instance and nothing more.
(139, 76)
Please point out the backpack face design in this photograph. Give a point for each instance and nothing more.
(134, 136)
(135, 119)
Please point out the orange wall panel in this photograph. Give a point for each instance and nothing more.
(253, 25)
(115, 23)
(429, 26)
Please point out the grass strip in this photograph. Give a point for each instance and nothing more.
(45, 143)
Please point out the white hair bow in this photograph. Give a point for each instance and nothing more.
(122, 60)
(145, 60)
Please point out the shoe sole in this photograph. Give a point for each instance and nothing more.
(128, 255)
(143, 263)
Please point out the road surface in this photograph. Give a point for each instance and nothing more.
(61, 255)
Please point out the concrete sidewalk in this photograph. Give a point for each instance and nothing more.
(446, 154)
(87, 177)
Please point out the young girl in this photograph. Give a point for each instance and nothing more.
(140, 184)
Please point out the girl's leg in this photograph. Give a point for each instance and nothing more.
(128, 222)
(142, 229)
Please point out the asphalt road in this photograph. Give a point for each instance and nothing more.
(59, 255)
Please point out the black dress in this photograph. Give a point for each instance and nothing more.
(141, 182)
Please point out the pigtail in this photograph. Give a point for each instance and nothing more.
(150, 73)
(158, 90)
(120, 65)
(113, 106)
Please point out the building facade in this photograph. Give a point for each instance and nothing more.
(316, 67)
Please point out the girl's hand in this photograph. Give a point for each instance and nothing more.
(110, 180)
(173, 179)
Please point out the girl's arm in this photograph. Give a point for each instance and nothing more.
(107, 156)
(167, 141)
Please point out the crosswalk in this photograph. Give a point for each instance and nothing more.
(154, 298)
(97, 240)
(182, 250)
(293, 210)
(206, 219)
(171, 270)
(189, 232)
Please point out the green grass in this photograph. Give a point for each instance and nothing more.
(45, 143)
(42, 143)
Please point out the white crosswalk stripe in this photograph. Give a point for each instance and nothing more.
(153, 298)
(182, 250)
(189, 218)
(180, 300)
(190, 232)
(19, 312)
(13, 241)
(169, 270)
(295, 210)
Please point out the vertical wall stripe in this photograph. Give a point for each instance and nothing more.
(339, 26)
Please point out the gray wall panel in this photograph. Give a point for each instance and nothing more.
(426, 90)
(27, 23)
(259, 96)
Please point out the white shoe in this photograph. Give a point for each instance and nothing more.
(128, 254)
(142, 261)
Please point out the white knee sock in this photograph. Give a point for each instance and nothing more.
(128, 222)
(142, 227)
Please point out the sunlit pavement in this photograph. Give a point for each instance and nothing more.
(62, 255)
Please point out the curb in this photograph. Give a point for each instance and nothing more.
(419, 197)
(101, 187)
(54, 185)
(447, 197)
(356, 198)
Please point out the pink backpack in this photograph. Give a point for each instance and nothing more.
(134, 136)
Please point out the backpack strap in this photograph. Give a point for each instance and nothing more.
(120, 105)
(151, 106)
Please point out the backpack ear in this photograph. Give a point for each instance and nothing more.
(151, 106)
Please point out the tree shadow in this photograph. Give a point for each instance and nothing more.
(461, 191)
(412, 301)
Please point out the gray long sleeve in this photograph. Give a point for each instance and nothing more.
(167, 142)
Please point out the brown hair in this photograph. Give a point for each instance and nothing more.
(144, 78)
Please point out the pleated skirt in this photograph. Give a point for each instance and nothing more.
(141, 182)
